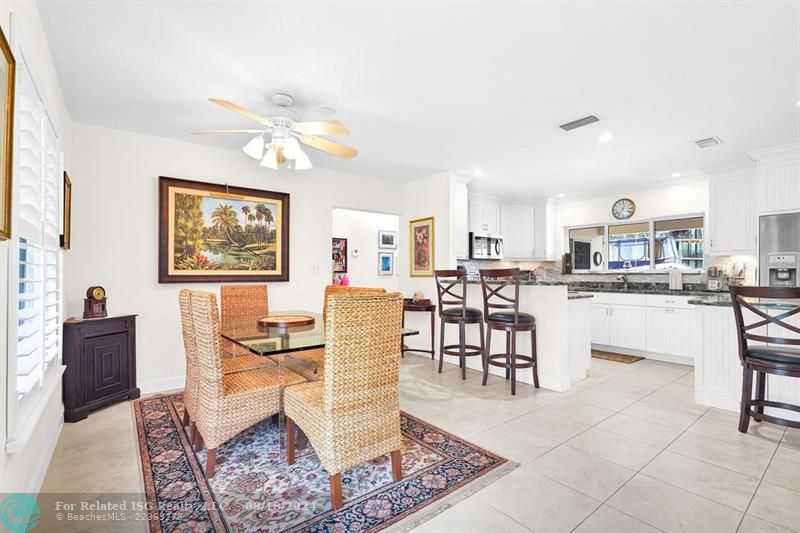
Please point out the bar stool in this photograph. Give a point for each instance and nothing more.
(511, 321)
(776, 358)
(447, 283)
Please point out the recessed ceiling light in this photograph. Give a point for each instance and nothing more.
(327, 111)
(797, 103)
(560, 195)
(477, 172)
(676, 174)
(606, 137)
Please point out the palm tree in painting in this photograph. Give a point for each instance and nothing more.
(262, 213)
(225, 220)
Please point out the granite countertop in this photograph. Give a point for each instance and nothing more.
(724, 300)
(669, 292)
(523, 282)
(578, 295)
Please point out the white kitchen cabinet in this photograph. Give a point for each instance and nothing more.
(732, 224)
(484, 216)
(778, 179)
(627, 327)
(672, 331)
(544, 230)
(517, 226)
(599, 326)
(459, 213)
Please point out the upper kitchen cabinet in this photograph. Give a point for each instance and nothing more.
(484, 216)
(732, 221)
(517, 222)
(778, 179)
(459, 221)
(544, 226)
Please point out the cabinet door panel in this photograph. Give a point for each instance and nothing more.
(732, 216)
(491, 217)
(517, 223)
(599, 324)
(628, 327)
(106, 363)
(672, 331)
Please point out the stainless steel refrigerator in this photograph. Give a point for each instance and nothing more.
(779, 250)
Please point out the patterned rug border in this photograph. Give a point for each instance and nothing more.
(403, 522)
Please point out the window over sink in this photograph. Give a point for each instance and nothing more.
(654, 245)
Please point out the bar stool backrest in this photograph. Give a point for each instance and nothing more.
(777, 323)
(451, 287)
(497, 290)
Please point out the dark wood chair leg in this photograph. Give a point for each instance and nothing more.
(397, 465)
(487, 350)
(336, 490)
(535, 360)
(276, 419)
(462, 357)
(290, 440)
(747, 394)
(433, 328)
(197, 439)
(761, 386)
(508, 352)
(186, 418)
(513, 363)
(441, 347)
(211, 463)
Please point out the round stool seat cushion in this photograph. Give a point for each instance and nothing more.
(455, 312)
(508, 318)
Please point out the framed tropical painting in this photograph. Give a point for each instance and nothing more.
(215, 233)
(7, 72)
(385, 263)
(339, 255)
(421, 236)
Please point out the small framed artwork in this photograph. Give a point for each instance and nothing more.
(387, 240)
(422, 235)
(7, 71)
(66, 236)
(385, 264)
(339, 254)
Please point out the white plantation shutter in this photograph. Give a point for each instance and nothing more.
(35, 297)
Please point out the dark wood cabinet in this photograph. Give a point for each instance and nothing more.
(100, 356)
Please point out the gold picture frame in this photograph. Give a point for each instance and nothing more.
(8, 69)
(422, 245)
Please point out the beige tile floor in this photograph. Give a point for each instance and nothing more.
(627, 450)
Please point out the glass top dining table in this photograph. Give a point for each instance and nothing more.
(289, 342)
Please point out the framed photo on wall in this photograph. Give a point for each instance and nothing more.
(210, 232)
(422, 240)
(8, 67)
(339, 255)
(385, 263)
(387, 240)
(66, 237)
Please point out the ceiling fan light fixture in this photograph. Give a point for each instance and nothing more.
(270, 159)
(291, 148)
(255, 148)
(301, 161)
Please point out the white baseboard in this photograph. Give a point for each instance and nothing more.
(689, 361)
(56, 425)
(162, 385)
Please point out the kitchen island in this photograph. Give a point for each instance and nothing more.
(718, 372)
(562, 333)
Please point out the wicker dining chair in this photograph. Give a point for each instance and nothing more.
(352, 415)
(227, 404)
(346, 290)
(239, 301)
(229, 366)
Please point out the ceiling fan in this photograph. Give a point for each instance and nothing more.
(285, 135)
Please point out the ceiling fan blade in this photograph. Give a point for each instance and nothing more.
(331, 147)
(332, 127)
(215, 132)
(242, 111)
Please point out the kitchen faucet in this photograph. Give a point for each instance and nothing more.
(624, 279)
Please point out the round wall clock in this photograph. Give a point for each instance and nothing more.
(623, 209)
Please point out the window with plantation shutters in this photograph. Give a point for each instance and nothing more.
(34, 295)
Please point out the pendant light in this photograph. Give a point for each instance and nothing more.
(255, 148)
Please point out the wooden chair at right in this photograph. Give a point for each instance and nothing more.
(502, 314)
(779, 355)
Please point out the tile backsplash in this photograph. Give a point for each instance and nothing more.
(551, 270)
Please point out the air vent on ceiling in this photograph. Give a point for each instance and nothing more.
(711, 141)
(585, 121)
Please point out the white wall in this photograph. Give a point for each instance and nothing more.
(115, 231)
(686, 198)
(360, 228)
(24, 470)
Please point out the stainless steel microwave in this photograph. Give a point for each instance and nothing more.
(485, 246)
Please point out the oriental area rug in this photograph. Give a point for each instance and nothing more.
(254, 489)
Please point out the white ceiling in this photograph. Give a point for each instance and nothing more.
(431, 86)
